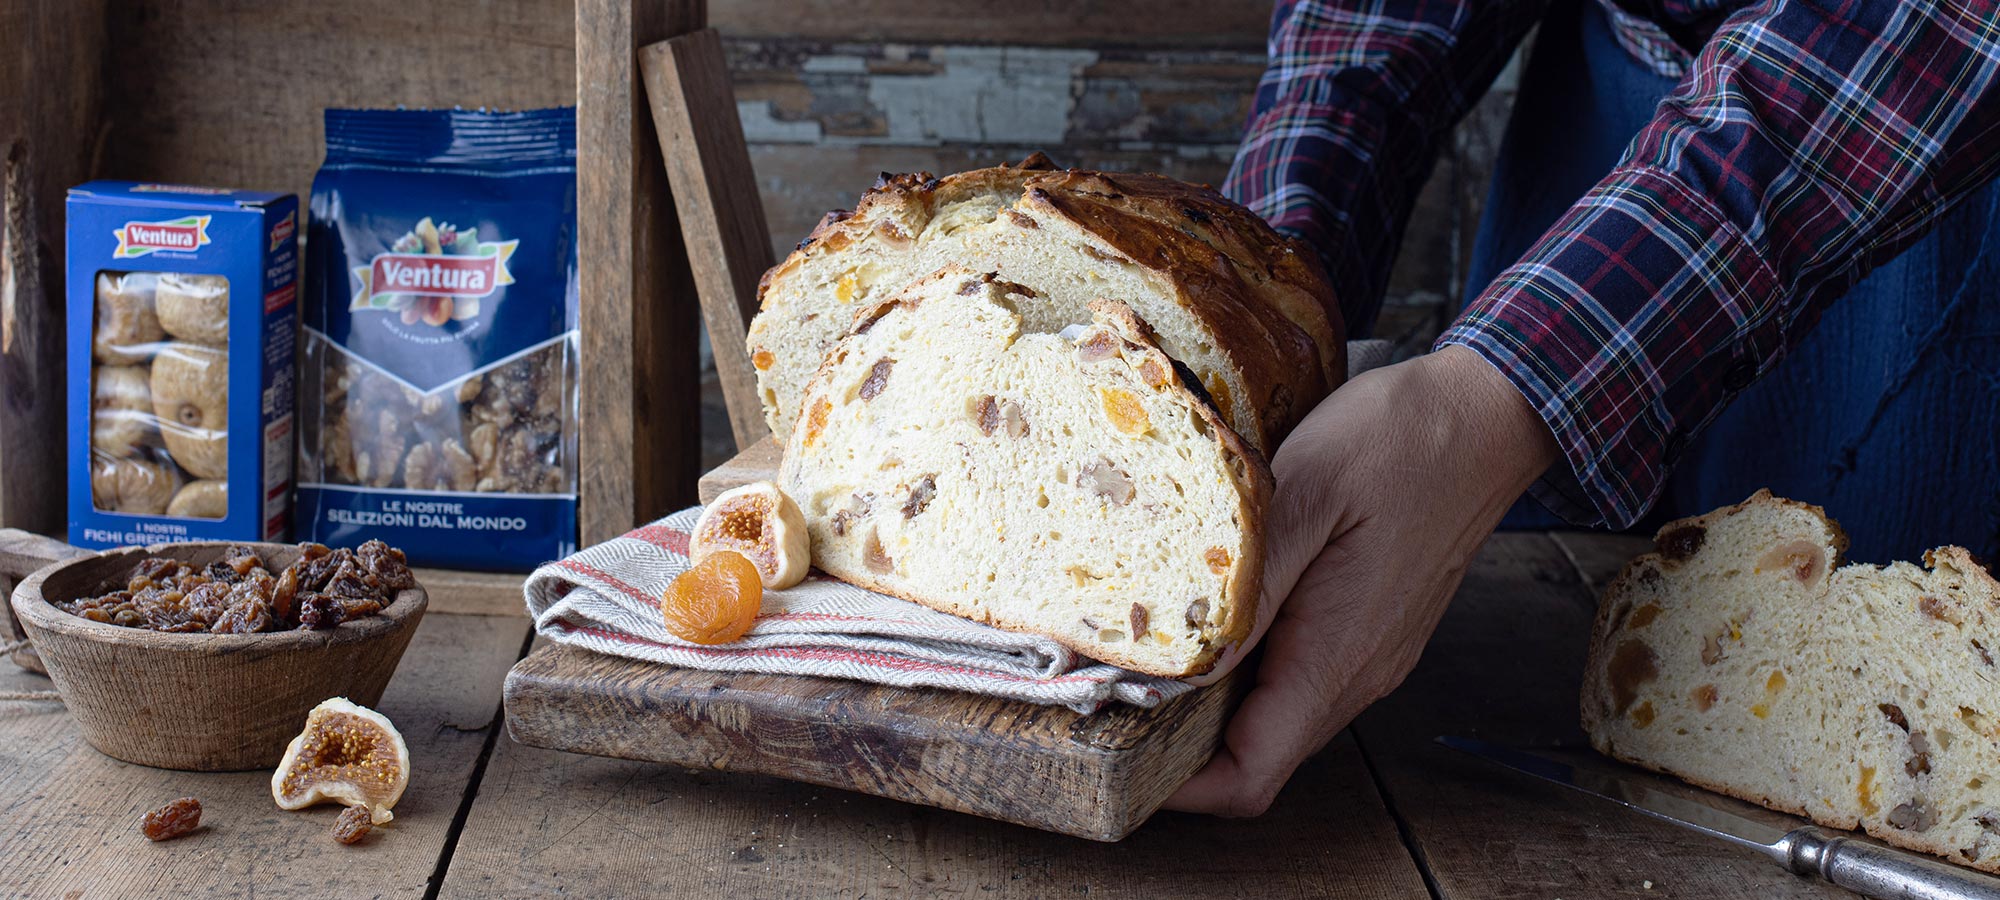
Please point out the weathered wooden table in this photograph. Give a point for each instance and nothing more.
(1381, 813)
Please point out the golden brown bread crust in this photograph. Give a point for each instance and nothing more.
(1264, 296)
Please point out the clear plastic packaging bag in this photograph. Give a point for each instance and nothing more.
(159, 429)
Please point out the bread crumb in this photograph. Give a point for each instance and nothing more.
(1646, 884)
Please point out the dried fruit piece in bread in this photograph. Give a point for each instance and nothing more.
(1248, 310)
(1069, 486)
(1743, 657)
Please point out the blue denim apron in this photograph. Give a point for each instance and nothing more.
(1886, 414)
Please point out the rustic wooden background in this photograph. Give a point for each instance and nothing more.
(833, 91)
(830, 93)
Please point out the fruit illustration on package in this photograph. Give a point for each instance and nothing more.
(435, 273)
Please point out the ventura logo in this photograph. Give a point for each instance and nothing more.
(180, 235)
(430, 275)
(283, 230)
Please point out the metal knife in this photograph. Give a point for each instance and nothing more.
(1859, 865)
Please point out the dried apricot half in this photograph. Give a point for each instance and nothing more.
(347, 754)
(759, 522)
(714, 602)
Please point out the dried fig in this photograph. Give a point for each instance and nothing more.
(758, 521)
(132, 485)
(205, 499)
(126, 328)
(194, 308)
(347, 754)
(121, 410)
(191, 398)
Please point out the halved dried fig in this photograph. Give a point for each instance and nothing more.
(347, 754)
(758, 521)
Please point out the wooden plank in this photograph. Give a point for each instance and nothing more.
(1174, 23)
(1598, 557)
(715, 197)
(554, 824)
(193, 85)
(1029, 96)
(641, 379)
(800, 182)
(72, 814)
(50, 88)
(21, 553)
(759, 463)
(474, 593)
(1096, 776)
(1505, 666)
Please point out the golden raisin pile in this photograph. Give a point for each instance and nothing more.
(238, 594)
(714, 602)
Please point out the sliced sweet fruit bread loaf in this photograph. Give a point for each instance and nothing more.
(1248, 310)
(1742, 656)
(1069, 486)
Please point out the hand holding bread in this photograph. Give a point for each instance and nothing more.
(1384, 493)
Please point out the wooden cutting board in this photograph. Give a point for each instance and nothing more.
(1098, 776)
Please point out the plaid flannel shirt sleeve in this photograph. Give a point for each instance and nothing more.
(1809, 143)
(1349, 116)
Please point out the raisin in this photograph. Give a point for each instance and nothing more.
(1682, 542)
(986, 413)
(318, 611)
(172, 820)
(239, 595)
(387, 564)
(715, 601)
(353, 825)
(920, 496)
(878, 377)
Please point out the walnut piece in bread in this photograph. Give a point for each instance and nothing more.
(1071, 487)
(1250, 311)
(1743, 657)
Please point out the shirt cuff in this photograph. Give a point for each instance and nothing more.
(1627, 327)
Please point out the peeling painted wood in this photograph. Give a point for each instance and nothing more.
(1232, 24)
(917, 95)
(798, 183)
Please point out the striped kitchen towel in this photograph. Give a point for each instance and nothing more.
(606, 598)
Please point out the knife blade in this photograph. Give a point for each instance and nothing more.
(1859, 865)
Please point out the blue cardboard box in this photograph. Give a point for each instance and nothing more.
(183, 329)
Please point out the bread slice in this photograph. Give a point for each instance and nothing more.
(1247, 309)
(1741, 656)
(1068, 486)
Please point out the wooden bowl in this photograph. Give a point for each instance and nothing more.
(202, 702)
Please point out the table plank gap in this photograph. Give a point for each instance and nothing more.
(1597, 557)
(493, 729)
(1403, 829)
(69, 815)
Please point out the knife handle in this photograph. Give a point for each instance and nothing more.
(1876, 871)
